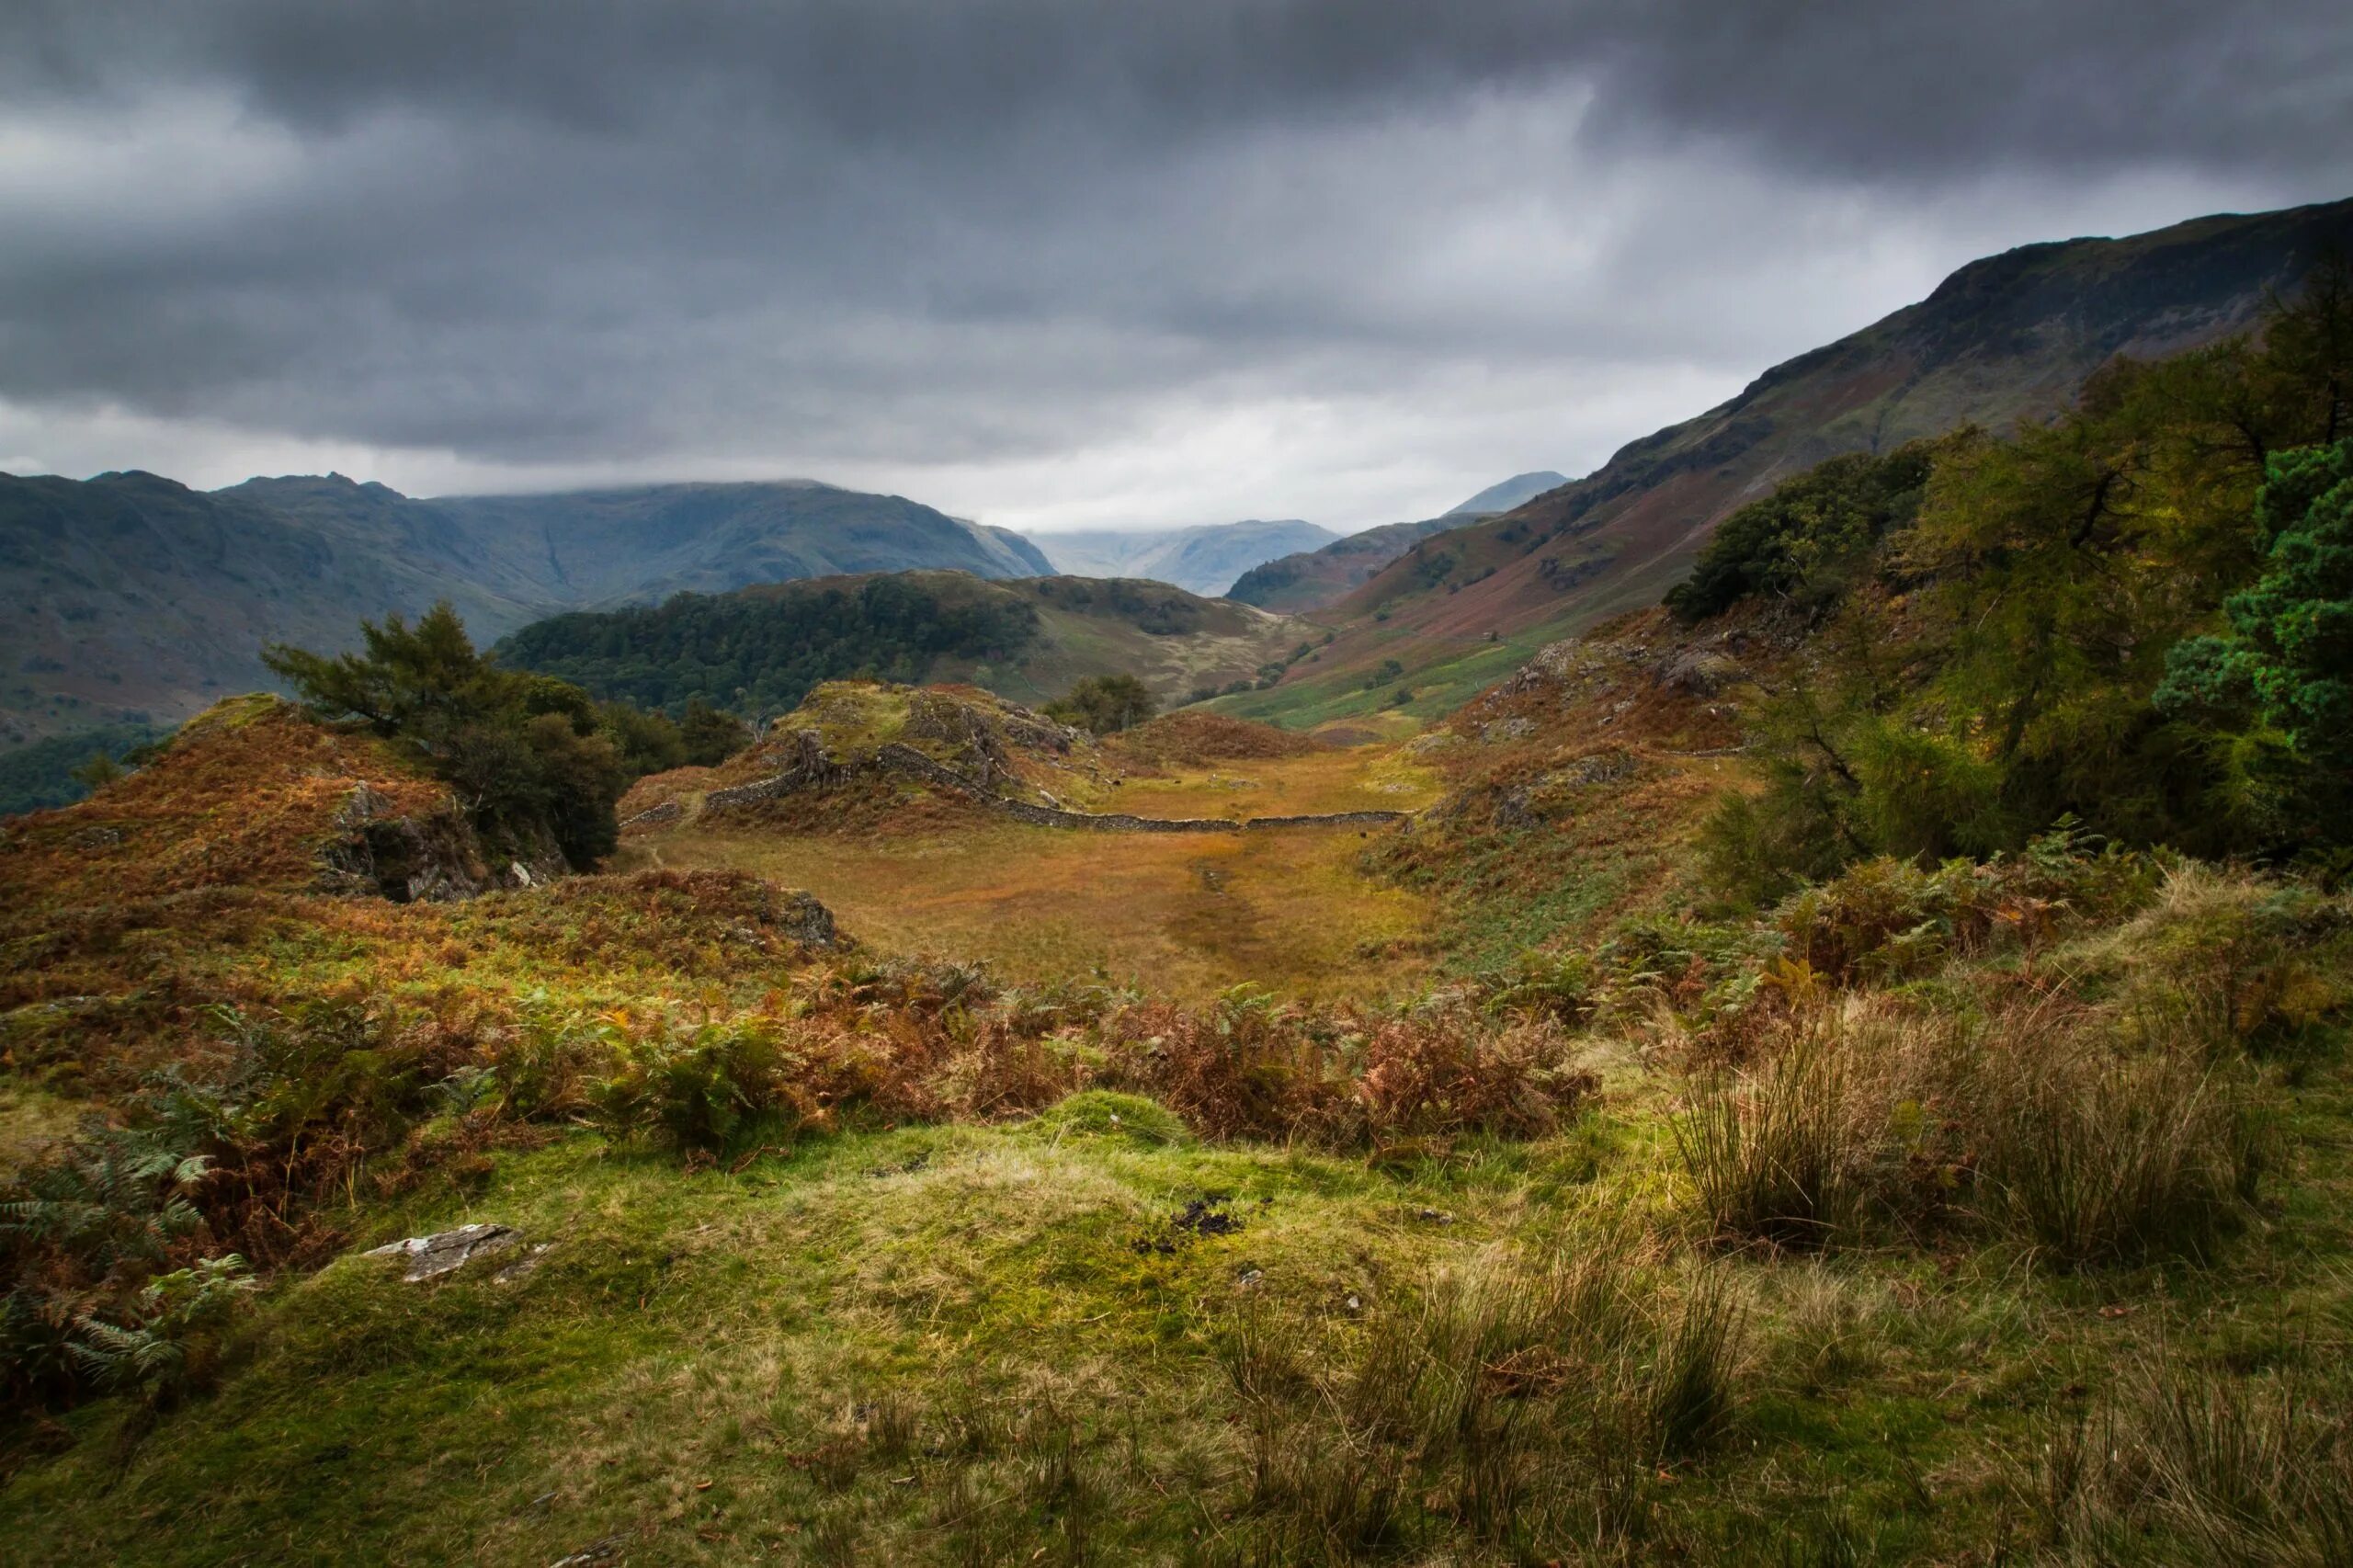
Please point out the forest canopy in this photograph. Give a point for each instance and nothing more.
(762, 652)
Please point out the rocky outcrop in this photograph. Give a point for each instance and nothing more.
(431, 859)
(799, 916)
(813, 768)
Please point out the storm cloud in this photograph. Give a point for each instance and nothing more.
(1048, 262)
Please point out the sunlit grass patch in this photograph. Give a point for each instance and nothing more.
(1188, 914)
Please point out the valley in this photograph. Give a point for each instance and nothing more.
(1789, 1000)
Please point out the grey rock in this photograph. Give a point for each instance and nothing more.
(444, 1251)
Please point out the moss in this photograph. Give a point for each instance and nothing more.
(1101, 1113)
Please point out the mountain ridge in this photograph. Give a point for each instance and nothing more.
(2001, 338)
(139, 598)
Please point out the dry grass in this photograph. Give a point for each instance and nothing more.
(1355, 778)
(2201, 1468)
(1188, 915)
(250, 795)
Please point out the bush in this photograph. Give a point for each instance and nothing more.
(695, 1092)
(171, 1344)
(1103, 704)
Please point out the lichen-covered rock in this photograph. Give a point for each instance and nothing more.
(1698, 672)
(799, 916)
(444, 1251)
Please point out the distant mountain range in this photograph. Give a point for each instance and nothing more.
(1204, 559)
(130, 596)
(2004, 340)
(1314, 579)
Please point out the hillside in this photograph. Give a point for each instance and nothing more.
(1503, 495)
(133, 599)
(2007, 338)
(1927, 1215)
(1030, 638)
(1314, 579)
(1203, 560)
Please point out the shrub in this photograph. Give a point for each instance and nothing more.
(171, 1344)
(694, 1092)
(1104, 704)
(1246, 1067)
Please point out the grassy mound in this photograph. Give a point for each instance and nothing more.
(250, 794)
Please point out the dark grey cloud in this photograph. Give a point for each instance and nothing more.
(1051, 241)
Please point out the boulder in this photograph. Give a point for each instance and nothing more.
(446, 1251)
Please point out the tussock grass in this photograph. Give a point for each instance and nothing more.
(1772, 1155)
(2183, 1461)
(2093, 1159)
(1865, 1117)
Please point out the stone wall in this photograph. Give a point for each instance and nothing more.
(1334, 819)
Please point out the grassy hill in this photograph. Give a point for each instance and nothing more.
(1678, 1240)
(2004, 340)
(1851, 1064)
(1030, 638)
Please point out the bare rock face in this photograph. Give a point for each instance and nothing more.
(447, 1251)
(428, 859)
(799, 916)
(1698, 672)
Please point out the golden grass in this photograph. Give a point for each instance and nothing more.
(1187, 915)
(1359, 779)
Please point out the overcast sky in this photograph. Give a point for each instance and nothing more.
(1052, 263)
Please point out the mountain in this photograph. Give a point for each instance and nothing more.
(1031, 639)
(1510, 492)
(2005, 339)
(1032, 560)
(133, 598)
(1204, 559)
(1313, 579)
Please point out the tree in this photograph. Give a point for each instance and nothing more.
(711, 735)
(533, 759)
(2288, 659)
(97, 773)
(1103, 704)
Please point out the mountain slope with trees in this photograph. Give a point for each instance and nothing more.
(761, 650)
(2005, 339)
